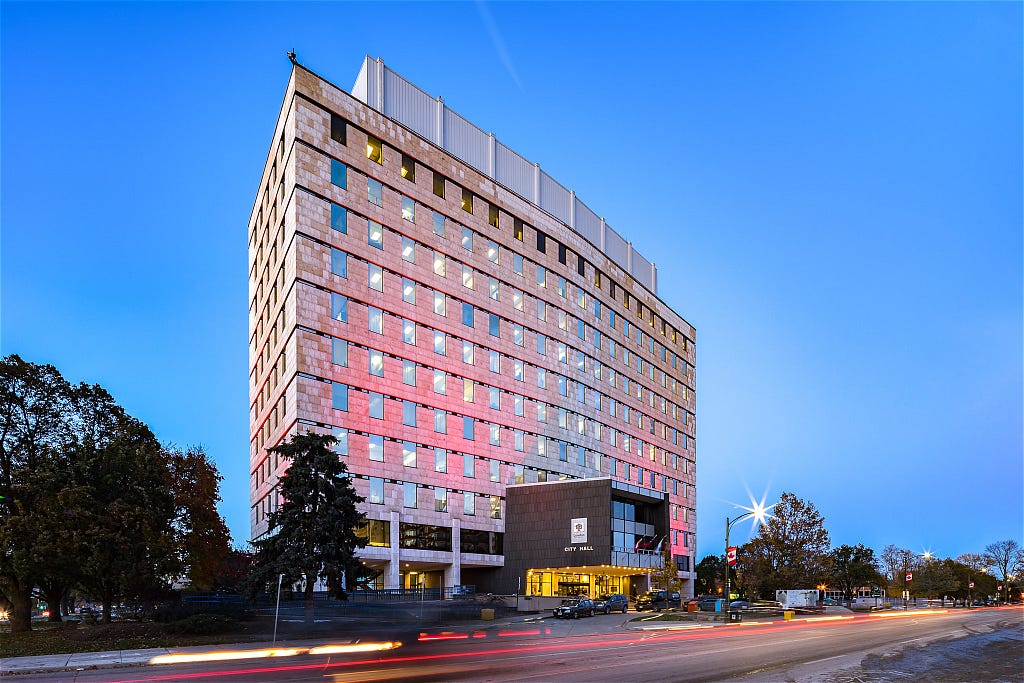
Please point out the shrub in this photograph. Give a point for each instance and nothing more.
(202, 625)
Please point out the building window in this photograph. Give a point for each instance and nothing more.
(408, 454)
(492, 215)
(517, 334)
(339, 307)
(542, 414)
(339, 352)
(542, 310)
(542, 344)
(492, 251)
(494, 398)
(467, 277)
(440, 382)
(561, 254)
(519, 440)
(517, 299)
(375, 234)
(468, 466)
(517, 229)
(439, 264)
(409, 494)
(468, 503)
(541, 246)
(376, 491)
(493, 288)
(467, 314)
(374, 192)
(438, 224)
(408, 250)
(376, 361)
(581, 267)
(492, 325)
(409, 332)
(408, 291)
(439, 343)
(468, 353)
(375, 277)
(339, 218)
(517, 369)
(494, 361)
(338, 129)
(517, 404)
(374, 149)
(440, 421)
(439, 184)
(541, 276)
(542, 378)
(339, 263)
(495, 437)
(440, 499)
(340, 435)
(468, 428)
(376, 405)
(517, 264)
(495, 507)
(408, 168)
(375, 448)
(339, 173)
(440, 460)
(339, 396)
(375, 319)
(468, 390)
(561, 287)
(408, 209)
(409, 413)
(495, 470)
(467, 201)
(409, 373)
(467, 239)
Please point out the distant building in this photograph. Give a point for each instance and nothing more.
(461, 323)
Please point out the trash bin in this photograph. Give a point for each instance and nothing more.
(788, 614)
(735, 617)
(691, 606)
(487, 614)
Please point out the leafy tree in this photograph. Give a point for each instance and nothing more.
(233, 570)
(127, 511)
(312, 534)
(203, 537)
(668, 576)
(33, 399)
(789, 551)
(934, 578)
(852, 567)
(1003, 557)
(896, 562)
(973, 561)
(710, 571)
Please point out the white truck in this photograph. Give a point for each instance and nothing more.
(790, 599)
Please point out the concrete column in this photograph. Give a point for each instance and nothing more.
(453, 573)
(391, 579)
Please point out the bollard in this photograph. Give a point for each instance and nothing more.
(788, 615)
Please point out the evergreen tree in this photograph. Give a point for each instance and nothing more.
(312, 534)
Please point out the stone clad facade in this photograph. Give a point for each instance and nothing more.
(454, 344)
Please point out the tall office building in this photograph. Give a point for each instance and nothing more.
(478, 340)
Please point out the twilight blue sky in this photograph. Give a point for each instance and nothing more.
(832, 193)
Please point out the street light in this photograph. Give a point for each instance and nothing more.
(758, 513)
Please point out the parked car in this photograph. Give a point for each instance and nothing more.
(658, 600)
(616, 602)
(767, 606)
(706, 603)
(575, 608)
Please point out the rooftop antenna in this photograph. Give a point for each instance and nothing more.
(291, 56)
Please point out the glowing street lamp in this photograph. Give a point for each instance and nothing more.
(759, 512)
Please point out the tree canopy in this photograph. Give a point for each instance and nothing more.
(790, 550)
(312, 534)
(853, 567)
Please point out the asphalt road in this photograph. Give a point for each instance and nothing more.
(836, 650)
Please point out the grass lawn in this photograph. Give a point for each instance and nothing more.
(61, 638)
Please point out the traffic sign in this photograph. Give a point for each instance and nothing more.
(910, 576)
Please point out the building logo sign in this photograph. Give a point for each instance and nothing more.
(578, 530)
